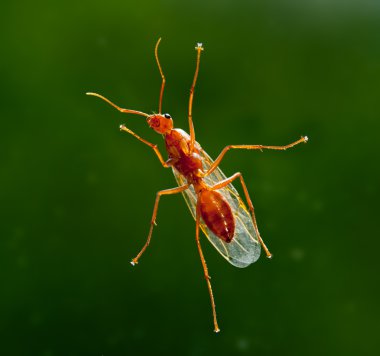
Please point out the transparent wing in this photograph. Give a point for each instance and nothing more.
(244, 248)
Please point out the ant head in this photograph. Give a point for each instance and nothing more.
(161, 123)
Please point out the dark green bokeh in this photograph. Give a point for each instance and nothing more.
(77, 195)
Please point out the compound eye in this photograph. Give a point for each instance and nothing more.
(167, 116)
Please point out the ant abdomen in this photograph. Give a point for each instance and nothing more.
(217, 214)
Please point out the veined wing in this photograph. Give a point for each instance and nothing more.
(244, 248)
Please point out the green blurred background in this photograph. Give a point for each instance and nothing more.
(77, 195)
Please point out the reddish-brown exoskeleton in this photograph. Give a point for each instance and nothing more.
(213, 201)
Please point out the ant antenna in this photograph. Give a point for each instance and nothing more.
(162, 76)
(126, 111)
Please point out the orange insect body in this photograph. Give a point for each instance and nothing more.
(188, 163)
(214, 209)
(212, 199)
(217, 214)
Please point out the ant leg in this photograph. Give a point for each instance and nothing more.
(153, 221)
(229, 180)
(155, 148)
(124, 128)
(162, 76)
(205, 270)
(199, 49)
(252, 147)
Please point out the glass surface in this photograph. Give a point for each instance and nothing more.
(76, 194)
